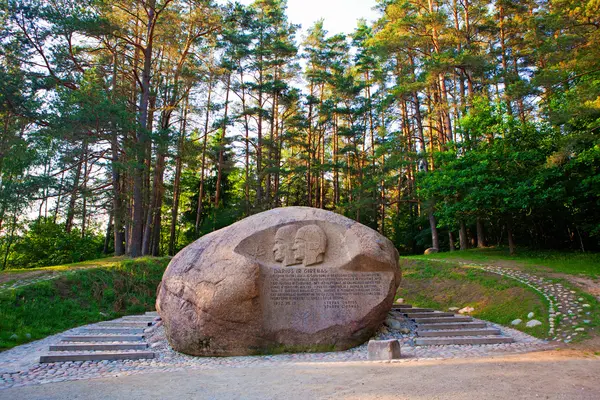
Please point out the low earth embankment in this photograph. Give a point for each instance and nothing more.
(494, 298)
(455, 279)
(78, 297)
(538, 261)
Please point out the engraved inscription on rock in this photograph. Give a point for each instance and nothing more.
(326, 295)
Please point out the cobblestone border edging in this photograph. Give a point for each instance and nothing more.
(29, 281)
(565, 310)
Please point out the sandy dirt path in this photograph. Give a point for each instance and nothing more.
(549, 375)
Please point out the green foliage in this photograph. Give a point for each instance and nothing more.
(47, 243)
(78, 298)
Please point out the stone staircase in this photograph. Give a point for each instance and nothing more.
(121, 339)
(442, 328)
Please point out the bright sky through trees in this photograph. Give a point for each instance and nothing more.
(339, 16)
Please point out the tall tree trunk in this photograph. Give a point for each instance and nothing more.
(200, 210)
(177, 179)
(336, 172)
(451, 240)
(117, 211)
(511, 241)
(107, 237)
(505, 71)
(74, 191)
(84, 192)
(157, 214)
(58, 198)
(462, 236)
(222, 145)
(435, 241)
(118, 233)
(259, 146)
(481, 243)
(246, 143)
(135, 241)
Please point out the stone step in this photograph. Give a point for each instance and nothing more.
(459, 332)
(414, 310)
(127, 324)
(96, 356)
(103, 338)
(143, 318)
(114, 330)
(153, 313)
(402, 305)
(98, 347)
(442, 320)
(430, 341)
(412, 315)
(451, 325)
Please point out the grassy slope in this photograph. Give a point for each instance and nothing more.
(494, 298)
(100, 262)
(562, 262)
(78, 298)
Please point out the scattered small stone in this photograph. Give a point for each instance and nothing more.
(404, 331)
(586, 306)
(586, 321)
(466, 310)
(533, 323)
(399, 301)
(453, 309)
(28, 335)
(516, 322)
(580, 329)
(14, 336)
(530, 315)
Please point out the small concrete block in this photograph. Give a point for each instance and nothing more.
(383, 349)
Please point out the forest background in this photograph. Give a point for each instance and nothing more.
(135, 127)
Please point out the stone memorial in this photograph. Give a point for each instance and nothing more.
(288, 279)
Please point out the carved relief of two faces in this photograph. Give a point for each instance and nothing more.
(304, 245)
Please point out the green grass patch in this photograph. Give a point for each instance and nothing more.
(563, 262)
(78, 298)
(495, 298)
(100, 262)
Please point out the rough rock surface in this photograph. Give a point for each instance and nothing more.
(288, 279)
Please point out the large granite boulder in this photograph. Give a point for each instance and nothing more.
(288, 279)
